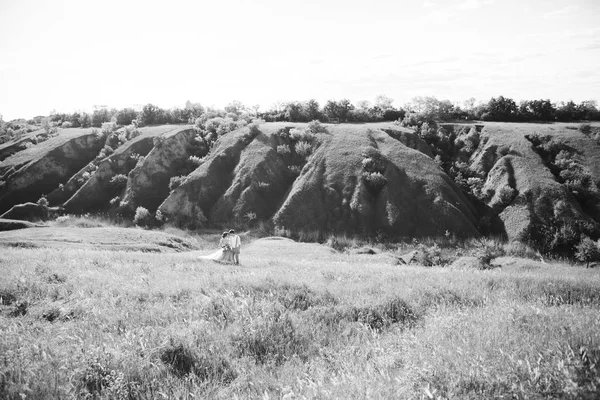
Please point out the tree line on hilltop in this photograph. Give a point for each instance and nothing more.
(499, 108)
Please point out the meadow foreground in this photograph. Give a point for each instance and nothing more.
(296, 320)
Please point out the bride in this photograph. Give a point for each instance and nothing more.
(224, 254)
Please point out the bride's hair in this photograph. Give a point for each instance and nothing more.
(224, 234)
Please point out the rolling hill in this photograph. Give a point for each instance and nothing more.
(532, 182)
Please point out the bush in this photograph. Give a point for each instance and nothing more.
(506, 195)
(254, 128)
(316, 127)
(298, 134)
(586, 129)
(587, 251)
(486, 252)
(176, 181)
(283, 149)
(372, 164)
(303, 149)
(43, 202)
(375, 181)
(429, 256)
(195, 160)
(66, 125)
(143, 217)
(119, 181)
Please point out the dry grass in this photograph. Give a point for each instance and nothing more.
(297, 320)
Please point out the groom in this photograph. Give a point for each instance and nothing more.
(236, 244)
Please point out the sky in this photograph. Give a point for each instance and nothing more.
(69, 55)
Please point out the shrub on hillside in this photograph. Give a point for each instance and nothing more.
(375, 181)
(142, 217)
(587, 250)
(283, 149)
(373, 164)
(295, 169)
(43, 202)
(108, 128)
(118, 181)
(506, 195)
(316, 127)
(196, 161)
(176, 181)
(254, 127)
(303, 149)
(302, 134)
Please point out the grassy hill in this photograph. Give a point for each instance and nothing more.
(537, 183)
(346, 178)
(296, 320)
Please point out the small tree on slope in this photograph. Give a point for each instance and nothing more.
(587, 251)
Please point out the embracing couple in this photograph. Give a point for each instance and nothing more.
(229, 251)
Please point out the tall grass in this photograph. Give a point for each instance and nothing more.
(96, 324)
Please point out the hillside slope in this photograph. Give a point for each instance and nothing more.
(354, 178)
(39, 169)
(97, 191)
(538, 183)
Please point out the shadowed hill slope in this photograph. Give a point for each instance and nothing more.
(354, 178)
(540, 182)
(100, 188)
(148, 183)
(39, 169)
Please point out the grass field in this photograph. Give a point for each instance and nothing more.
(296, 320)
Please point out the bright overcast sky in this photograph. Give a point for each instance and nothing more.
(74, 54)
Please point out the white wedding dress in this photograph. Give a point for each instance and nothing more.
(221, 254)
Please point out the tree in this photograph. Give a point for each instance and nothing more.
(587, 251)
(149, 114)
(501, 109)
(383, 102)
(125, 116)
(538, 110)
(431, 109)
(588, 110)
(84, 120)
(99, 116)
(567, 111)
(293, 112)
(256, 107)
(311, 108)
(338, 109)
(236, 107)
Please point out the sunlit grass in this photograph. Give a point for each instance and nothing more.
(297, 320)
